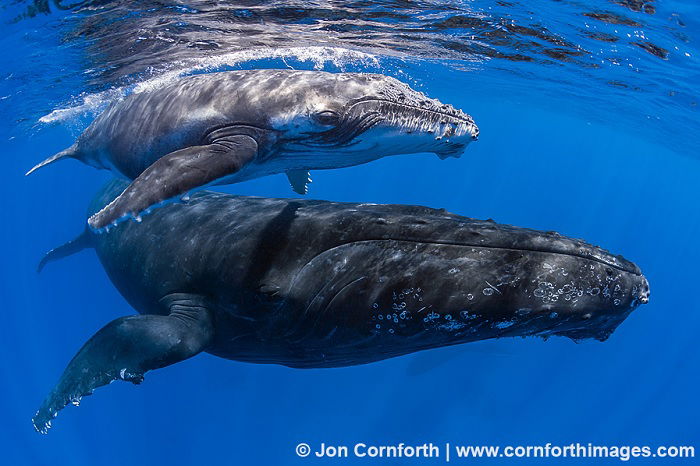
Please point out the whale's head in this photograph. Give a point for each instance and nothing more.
(413, 278)
(368, 115)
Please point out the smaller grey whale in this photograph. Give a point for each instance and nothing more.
(228, 127)
(323, 284)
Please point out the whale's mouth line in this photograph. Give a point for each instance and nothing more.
(621, 267)
(349, 128)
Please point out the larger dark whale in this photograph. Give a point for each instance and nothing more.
(232, 126)
(324, 284)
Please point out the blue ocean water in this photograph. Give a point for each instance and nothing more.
(589, 126)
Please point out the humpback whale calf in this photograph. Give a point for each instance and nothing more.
(228, 127)
(313, 284)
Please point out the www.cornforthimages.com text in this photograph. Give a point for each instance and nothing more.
(449, 452)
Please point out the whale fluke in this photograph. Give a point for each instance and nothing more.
(70, 153)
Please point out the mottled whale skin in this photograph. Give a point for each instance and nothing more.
(228, 127)
(313, 284)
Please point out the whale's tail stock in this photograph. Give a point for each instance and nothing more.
(66, 153)
(77, 244)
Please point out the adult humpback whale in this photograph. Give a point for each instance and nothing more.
(232, 126)
(324, 284)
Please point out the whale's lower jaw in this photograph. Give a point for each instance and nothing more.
(321, 358)
(376, 143)
(451, 332)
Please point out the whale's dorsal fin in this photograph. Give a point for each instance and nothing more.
(82, 241)
(299, 179)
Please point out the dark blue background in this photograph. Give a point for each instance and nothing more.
(536, 165)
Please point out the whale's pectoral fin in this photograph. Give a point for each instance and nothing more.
(178, 173)
(128, 347)
(82, 241)
(299, 179)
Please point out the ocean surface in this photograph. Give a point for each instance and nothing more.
(590, 126)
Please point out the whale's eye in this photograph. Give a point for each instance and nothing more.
(327, 117)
